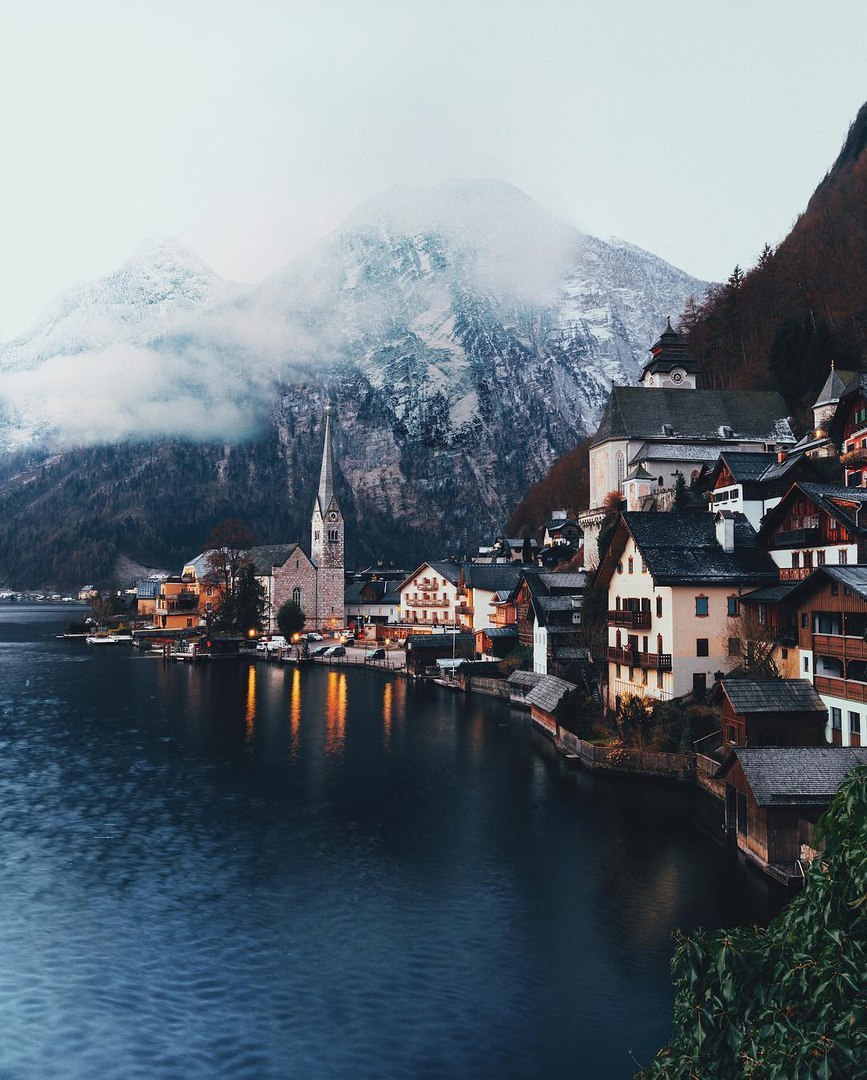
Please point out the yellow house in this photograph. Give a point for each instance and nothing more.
(176, 605)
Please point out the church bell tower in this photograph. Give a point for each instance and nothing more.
(327, 541)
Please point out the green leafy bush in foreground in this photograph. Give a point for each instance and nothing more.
(789, 1002)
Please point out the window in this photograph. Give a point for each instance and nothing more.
(742, 814)
(732, 734)
(316, 535)
(784, 654)
(842, 556)
(807, 664)
(701, 608)
(621, 469)
(808, 558)
(836, 719)
(296, 595)
(658, 679)
(617, 670)
(620, 568)
(734, 646)
(805, 620)
(333, 535)
(630, 564)
(644, 676)
(643, 567)
(732, 605)
(659, 607)
(855, 724)
(701, 646)
(832, 524)
(659, 643)
(820, 558)
(796, 559)
(835, 588)
(762, 614)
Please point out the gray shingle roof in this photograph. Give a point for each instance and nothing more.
(422, 642)
(265, 558)
(564, 583)
(678, 451)
(637, 412)
(680, 548)
(510, 631)
(525, 678)
(773, 695)
(491, 578)
(745, 466)
(548, 693)
(554, 603)
(832, 391)
(790, 775)
(147, 589)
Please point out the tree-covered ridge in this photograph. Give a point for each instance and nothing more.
(789, 1002)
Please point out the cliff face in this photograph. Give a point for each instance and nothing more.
(465, 337)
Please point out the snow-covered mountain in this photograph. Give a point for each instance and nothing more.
(466, 336)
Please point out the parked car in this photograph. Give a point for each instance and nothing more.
(271, 643)
(374, 654)
(321, 651)
(335, 650)
(312, 636)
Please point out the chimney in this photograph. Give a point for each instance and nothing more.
(725, 530)
(781, 456)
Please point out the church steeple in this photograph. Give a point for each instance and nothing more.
(327, 545)
(670, 364)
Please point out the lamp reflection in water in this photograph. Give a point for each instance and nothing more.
(295, 712)
(335, 712)
(250, 718)
(387, 696)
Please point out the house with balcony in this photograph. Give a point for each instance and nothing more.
(769, 712)
(847, 429)
(479, 586)
(372, 603)
(548, 610)
(430, 600)
(674, 584)
(816, 525)
(176, 604)
(829, 613)
(752, 483)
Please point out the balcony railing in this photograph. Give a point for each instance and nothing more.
(795, 573)
(464, 609)
(858, 456)
(634, 658)
(847, 689)
(181, 602)
(427, 603)
(795, 538)
(850, 648)
(653, 692)
(633, 620)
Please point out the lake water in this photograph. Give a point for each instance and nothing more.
(258, 872)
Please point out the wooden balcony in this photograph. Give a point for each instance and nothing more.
(634, 658)
(632, 620)
(427, 603)
(848, 648)
(809, 536)
(795, 573)
(858, 456)
(841, 688)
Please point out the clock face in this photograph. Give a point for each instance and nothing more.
(677, 376)
(332, 516)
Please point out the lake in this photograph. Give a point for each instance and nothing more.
(250, 871)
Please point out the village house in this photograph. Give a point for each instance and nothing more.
(847, 429)
(548, 610)
(770, 712)
(815, 525)
(176, 604)
(561, 529)
(372, 603)
(670, 425)
(424, 650)
(479, 587)
(753, 483)
(146, 592)
(429, 597)
(674, 583)
(775, 795)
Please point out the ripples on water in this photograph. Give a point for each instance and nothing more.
(253, 872)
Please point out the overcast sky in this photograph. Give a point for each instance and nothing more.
(247, 130)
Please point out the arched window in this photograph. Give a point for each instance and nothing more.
(333, 535)
(296, 595)
(621, 469)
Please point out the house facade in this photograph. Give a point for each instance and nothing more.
(430, 597)
(674, 583)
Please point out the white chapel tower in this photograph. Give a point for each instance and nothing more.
(327, 541)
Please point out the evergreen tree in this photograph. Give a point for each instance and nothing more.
(290, 619)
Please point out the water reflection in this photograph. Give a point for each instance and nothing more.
(387, 695)
(250, 717)
(335, 713)
(295, 711)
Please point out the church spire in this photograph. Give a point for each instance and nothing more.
(326, 473)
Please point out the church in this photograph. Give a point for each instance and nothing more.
(287, 572)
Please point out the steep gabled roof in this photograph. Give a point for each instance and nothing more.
(772, 695)
(491, 577)
(548, 693)
(794, 775)
(743, 466)
(268, 556)
(450, 571)
(840, 502)
(851, 577)
(634, 412)
(682, 548)
(832, 391)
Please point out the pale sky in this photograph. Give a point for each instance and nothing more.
(248, 130)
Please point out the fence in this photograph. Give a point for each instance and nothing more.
(620, 759)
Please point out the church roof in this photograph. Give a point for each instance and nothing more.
(832, 391)
(268, 556)
(634, 412)
(669, 351)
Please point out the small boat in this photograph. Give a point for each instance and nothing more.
(109, 639)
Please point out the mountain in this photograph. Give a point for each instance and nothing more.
(781, 323)
(465, 336)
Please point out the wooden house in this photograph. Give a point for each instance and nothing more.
(770, 712)
(423, 651)
(775, 795)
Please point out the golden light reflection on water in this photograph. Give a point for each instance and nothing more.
(250, 718)
(295, 710)
(335, 712)
(387, 695)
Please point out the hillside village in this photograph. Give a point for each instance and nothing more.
(704, 616)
